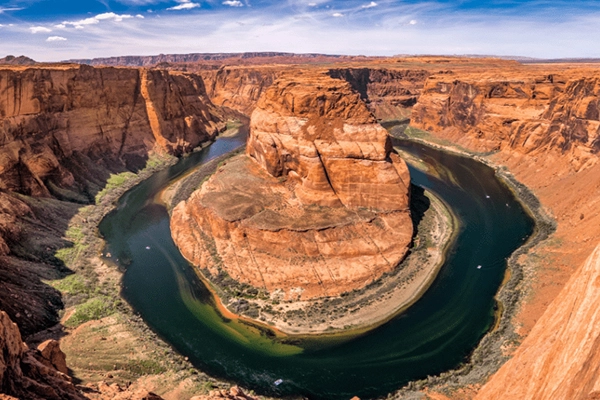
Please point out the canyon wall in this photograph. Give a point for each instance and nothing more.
(318, 207)
(238, 88)
(389, 93)
(63, 131)
(542, 122)
(560, 358)
(52, 117)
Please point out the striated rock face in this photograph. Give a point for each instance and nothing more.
(542, 123)
(526, 112)
(561, 356)
(318, 207)
(238, 88)
(317, 131)
(53, 116)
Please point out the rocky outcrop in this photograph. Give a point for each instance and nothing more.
(23, 371)
(54, 117)
(235, 393)
(318, 207)
(559, 359)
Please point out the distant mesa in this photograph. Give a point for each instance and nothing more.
(318, 205)
(20, 60)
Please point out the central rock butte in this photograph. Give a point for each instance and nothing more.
(318, 205)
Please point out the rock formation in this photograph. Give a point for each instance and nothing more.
(530, 113)
(238, 88)
(63, 131)
(389, 93)
(24, 373)
(542, 123)
(53, 117)
(560, 358)
(318, 207)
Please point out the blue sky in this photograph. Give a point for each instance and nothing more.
(53, 30)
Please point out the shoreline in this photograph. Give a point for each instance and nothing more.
(351, 313)
(490, 354)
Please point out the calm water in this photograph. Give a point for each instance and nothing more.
(434, 335)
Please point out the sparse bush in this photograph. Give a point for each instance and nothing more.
(93, 309)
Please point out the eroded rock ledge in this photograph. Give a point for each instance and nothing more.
(317, 207)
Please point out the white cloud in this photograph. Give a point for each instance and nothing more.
(370, 5)
(312, 4)
(233, 3)
(140, 16)
(111, 15)
(39, 29)
(184, 5)
(56, 39)
(337, 15)
(3, 10)
(413, 22)
(94, 20)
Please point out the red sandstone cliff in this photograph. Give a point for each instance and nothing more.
(53, 116)
(322, 210)
(542, 122)
(560, 357)
(63, 130)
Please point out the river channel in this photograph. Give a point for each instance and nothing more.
(436, 334)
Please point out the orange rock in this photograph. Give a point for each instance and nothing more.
(559, 359)
(324, 210)
(24, 375)
(53, 115)
(53, 356)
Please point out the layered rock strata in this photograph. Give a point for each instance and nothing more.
(317, 207)
(543, 124)
(52, 117)
(63, 130)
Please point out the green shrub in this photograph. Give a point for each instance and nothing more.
(93, 309)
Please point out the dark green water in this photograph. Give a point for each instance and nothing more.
(433, 336)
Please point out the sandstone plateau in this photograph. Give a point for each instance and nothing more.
(317, 207)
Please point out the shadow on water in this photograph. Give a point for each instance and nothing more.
(434, 335)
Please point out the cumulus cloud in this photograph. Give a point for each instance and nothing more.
(139, 16)
(413, 22)
(39, 29)
(56, 39)
(337, 15)
(370, 5)
(80, 24)
(312, 4)
(184, 5)
(233, 3)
